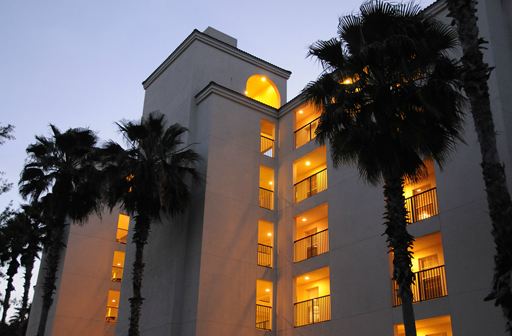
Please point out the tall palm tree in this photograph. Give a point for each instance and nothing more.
(389, 97)
(60, 173)
(148, 178)
(476, 75)
(13, 233)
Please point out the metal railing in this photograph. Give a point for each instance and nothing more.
(311, 185)
(263, 317)
(266, 198)
(112, 313)
(428, 284)
(313, 311)
(422, 206)
(311, 246)
(264, 255)
(306, 133)
(121, 236)
(267, 146)
(117, 273)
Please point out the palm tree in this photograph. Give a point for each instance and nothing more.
(13, 233)
(389, 97)
(33, 232)
(60, 173)
(148, 178)
(476, 75)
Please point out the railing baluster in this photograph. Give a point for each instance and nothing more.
(313, 185)
(266, 198)
(264, 255)
(263, 317)
(312, 311)
(311, 245)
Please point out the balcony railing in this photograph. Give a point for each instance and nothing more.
(263, 317)
(313, 311)
(264, 255)
(311, 185)
(267, 146)
(117, 273)
(306, 133)
(422, 206)
(111, 315)
(311, 246)
(428, 284)
(121, 236)
(266, 198)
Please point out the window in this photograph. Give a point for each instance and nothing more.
(310, 174)
(117, 266)
(421, 195)
(122, 228)
(264, 299)
(266, 197)
(262, 89)
(312, 297)
(112, 305)
(265, 243)
(311, 233)
(267, 137)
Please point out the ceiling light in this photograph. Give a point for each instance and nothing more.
(118, 264)
(308, 163)
(270, 182)
(263, 79)
(306, 278)
(113, 300)
(246, 92)
(269, 234)
(267, 290)
(301, 111)
(304, 219)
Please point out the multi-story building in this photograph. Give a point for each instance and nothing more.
(277, 241)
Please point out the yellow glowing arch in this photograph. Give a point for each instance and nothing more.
(262, 89)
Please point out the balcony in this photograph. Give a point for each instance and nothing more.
(311, 185)
(112, 306)
(263, 317)
(311, 246)
(428, 284)
(434, 326)
(312, 311)
(264, 255)
(266, 198)
(123, 222)
(267, 146)
(422, 205)
(306, 133)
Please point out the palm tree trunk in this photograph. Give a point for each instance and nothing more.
(11, 272)
(52, 266)
(140, 238)
(400, 242)
(29, 266)
(476, 74)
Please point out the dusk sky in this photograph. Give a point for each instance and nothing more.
(81, 63)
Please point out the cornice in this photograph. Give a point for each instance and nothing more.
(222, 91)
(196, 35)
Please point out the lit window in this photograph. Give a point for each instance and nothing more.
(265, 243)
(312, 297)
(117, 266)
(262, 89)
(112, 305)
(264, 294)
(122, 228)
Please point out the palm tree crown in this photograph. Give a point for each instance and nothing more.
(389, 92)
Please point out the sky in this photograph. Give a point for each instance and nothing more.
(81, 63)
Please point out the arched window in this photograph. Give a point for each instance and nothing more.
(262, 89)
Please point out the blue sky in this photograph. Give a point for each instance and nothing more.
(81, 63)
